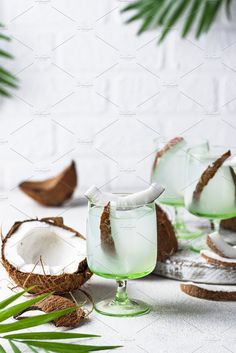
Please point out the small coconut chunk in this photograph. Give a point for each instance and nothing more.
(220, 247)
(209, 292)
(215, 259)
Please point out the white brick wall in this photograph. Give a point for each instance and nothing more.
(93, 91)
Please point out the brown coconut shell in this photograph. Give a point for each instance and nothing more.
(209, 174)
(107, 241)
(167, 243)
(229, 224)
(208, 294)
(55, 303)
(61, 283)
(168, 146)
(213, 247)
(54, 191)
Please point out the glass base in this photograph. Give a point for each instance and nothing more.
(182, 232)
(131, 307)
(199, 244)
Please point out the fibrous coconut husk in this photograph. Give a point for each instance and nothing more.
(55, 303)
(107, 241)
(210, 292)
(167, 243)
(168, 146)
(209, 174)
(44, 283)
(229, 224)
(54, 191)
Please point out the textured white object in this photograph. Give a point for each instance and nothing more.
(140, 198)
(91, 90)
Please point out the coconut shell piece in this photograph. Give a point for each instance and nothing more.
(210, 292)
(107, 241)
(217, 260)
(61, 283)
(54, 191)
(173, 142)
(209, 174)
(55, 303)
(229, 224)
(166, 239)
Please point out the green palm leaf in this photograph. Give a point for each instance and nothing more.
(6, 302)
(166, 13)
(15, 348)
(2, 350)
(67, 347)
(34, 321)
(48, 335)
(16, 309)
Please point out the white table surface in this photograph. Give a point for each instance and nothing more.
(177, 323)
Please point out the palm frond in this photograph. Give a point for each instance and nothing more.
(35, 341)
(7, 80)
(166, 13)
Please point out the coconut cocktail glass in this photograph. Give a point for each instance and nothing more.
(211, 191)
(169, 169)
(122, 245)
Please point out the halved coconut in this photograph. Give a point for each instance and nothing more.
(47, 254)
(54, 191)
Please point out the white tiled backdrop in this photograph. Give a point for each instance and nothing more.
(91, 90)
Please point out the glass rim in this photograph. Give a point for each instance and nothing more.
(123, 207)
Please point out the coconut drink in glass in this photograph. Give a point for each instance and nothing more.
(121, 245)
(211, 191)
(169, 169)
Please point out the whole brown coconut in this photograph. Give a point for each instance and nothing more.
(44, 283)
(54, 191)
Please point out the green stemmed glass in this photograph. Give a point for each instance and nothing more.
(169, 170)
(122, 245)
(211, 191)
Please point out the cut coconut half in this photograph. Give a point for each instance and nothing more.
(209, 292)
(47, 254)
(215, 259)
(220, 247)
(54, 191)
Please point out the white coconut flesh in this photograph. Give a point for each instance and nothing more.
(214, 256)
(220, 244)
(41, 248)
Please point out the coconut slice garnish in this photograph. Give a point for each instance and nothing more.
(97, 197)
(209, 174)
(209, 292)
(54, 191)
(166, 238)
(215, 259)
(217, 244)
(107, 241)
(45, 253)
(172, 143)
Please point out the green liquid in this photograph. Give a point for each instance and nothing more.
(174, 203)
(212, 216)
(122, 276)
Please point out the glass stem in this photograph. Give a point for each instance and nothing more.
(215, 225)
(178, 221)
(121, 293)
